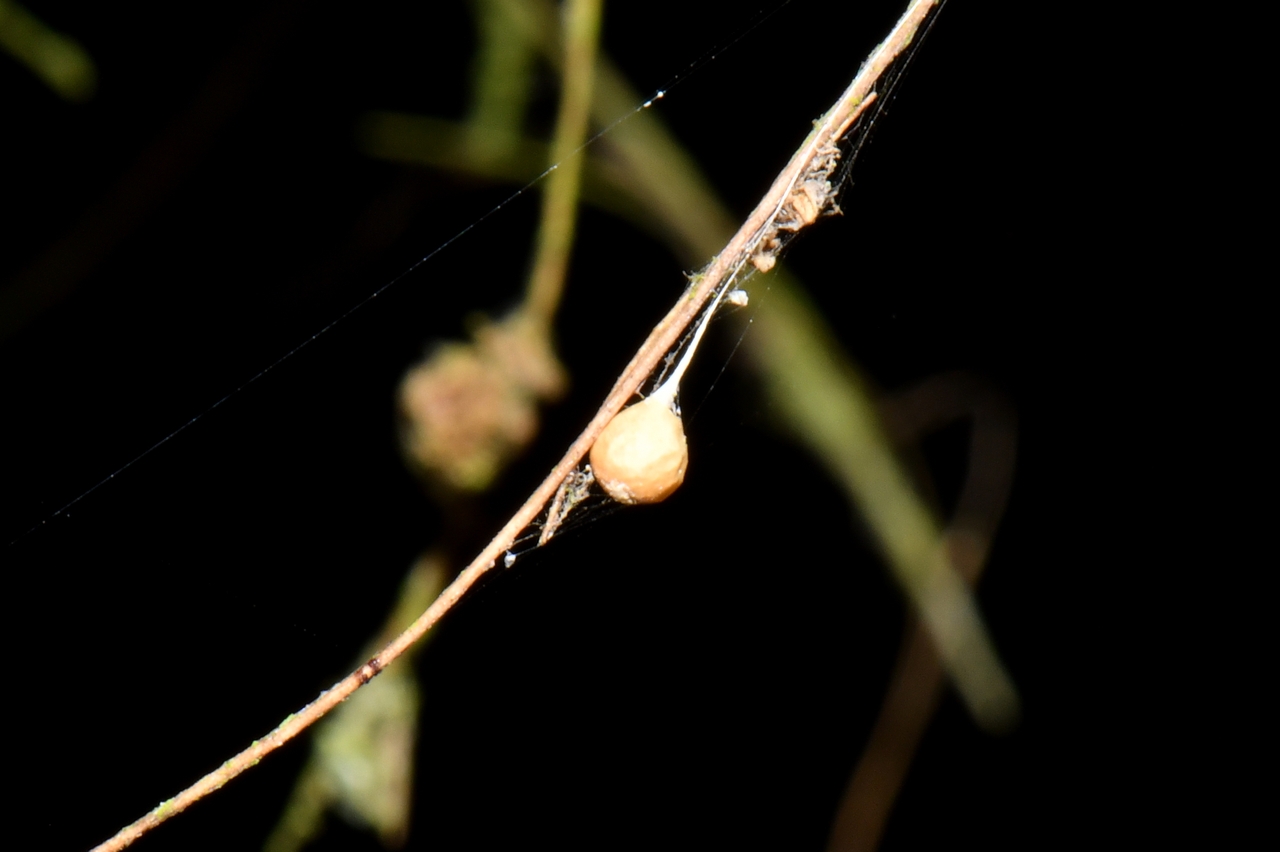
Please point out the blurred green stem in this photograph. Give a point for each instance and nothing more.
(501, 78)
(560, 198)
(56, 59)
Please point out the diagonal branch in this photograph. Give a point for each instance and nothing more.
(765, 221)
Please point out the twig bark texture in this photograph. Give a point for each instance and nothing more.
(764, 221)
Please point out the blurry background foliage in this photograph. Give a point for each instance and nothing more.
(192, 192)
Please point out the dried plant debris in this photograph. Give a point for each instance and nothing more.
(470, 408)
(811, 197)
(575, 488)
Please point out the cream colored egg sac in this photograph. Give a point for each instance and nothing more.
(641, 456)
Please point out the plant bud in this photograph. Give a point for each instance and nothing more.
(641, 456)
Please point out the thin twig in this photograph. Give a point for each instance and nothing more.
(664, 336)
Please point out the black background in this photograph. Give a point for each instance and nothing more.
(700, 673)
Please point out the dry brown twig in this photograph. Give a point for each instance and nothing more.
(784, 207)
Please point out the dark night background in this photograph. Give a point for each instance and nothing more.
(701, 673)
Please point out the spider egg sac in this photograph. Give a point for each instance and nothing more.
(641, 456)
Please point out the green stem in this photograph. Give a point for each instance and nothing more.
(560, 199)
